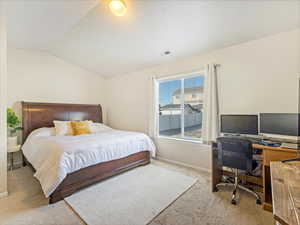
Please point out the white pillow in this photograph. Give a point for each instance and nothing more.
(63, 128)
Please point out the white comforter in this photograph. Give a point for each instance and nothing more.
(54, 157)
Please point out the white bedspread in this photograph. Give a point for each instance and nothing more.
(54, 157)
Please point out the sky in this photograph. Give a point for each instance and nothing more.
(166, 89)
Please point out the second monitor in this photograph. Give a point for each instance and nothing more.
(286, 124)
(239, 124)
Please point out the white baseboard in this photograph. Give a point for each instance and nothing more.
(3, 194)
(184, 164)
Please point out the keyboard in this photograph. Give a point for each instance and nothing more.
(255, 141)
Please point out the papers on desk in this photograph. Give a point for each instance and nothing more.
(289, 145)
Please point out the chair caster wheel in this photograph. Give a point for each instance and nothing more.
(258, 202)
(216, 189)
(233, 202)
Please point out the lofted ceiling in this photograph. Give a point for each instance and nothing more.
(86, 33)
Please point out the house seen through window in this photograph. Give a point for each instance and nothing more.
(180, 106)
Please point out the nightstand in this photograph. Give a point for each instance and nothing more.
(12, 150)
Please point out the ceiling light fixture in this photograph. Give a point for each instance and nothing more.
(118, 7)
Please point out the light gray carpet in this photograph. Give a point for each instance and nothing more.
(199, 206)
(55, 214)
(132, 198)
(26, 204)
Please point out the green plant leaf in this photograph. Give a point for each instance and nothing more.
(13, 121)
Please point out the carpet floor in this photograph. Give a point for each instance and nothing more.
(26, 205)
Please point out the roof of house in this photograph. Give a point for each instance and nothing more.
(170, 107)
(197, 107)
(190, 90)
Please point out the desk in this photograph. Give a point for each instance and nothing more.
(269, 154)
(285, 179)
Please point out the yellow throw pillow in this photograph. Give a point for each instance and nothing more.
(81, 127)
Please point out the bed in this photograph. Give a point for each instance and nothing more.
(37, 116)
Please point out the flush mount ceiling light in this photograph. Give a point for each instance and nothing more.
(166, 53)
(118, 7)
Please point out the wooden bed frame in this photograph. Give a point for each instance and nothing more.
(37, 115)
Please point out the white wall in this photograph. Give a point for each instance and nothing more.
(257, 76)
(3, 92)
(40, 77)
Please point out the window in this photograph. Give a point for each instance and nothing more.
(180, 107)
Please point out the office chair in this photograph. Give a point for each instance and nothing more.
(236, 153)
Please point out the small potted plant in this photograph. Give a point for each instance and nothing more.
(13, 125)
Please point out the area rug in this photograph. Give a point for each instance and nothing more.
(135, 197)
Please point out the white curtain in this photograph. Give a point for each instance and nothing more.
(211, 105)
(152, 107)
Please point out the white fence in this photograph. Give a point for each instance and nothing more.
(170, 122)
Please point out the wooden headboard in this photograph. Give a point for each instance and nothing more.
(36, 115)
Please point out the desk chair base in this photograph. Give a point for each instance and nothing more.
(236, 186)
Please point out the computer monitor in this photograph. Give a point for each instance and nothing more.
(239, 124)
(286, 124)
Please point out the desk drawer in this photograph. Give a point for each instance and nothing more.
(270, 156)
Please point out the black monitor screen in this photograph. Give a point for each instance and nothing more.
(280, 123)
(239, 124)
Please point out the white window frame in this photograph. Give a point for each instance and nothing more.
(172, 78)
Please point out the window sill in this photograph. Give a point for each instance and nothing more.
(200, 142)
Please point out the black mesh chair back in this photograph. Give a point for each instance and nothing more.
(235, 152)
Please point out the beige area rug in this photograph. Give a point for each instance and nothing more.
(131, 198)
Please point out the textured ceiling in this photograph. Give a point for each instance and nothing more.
(86, 33)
